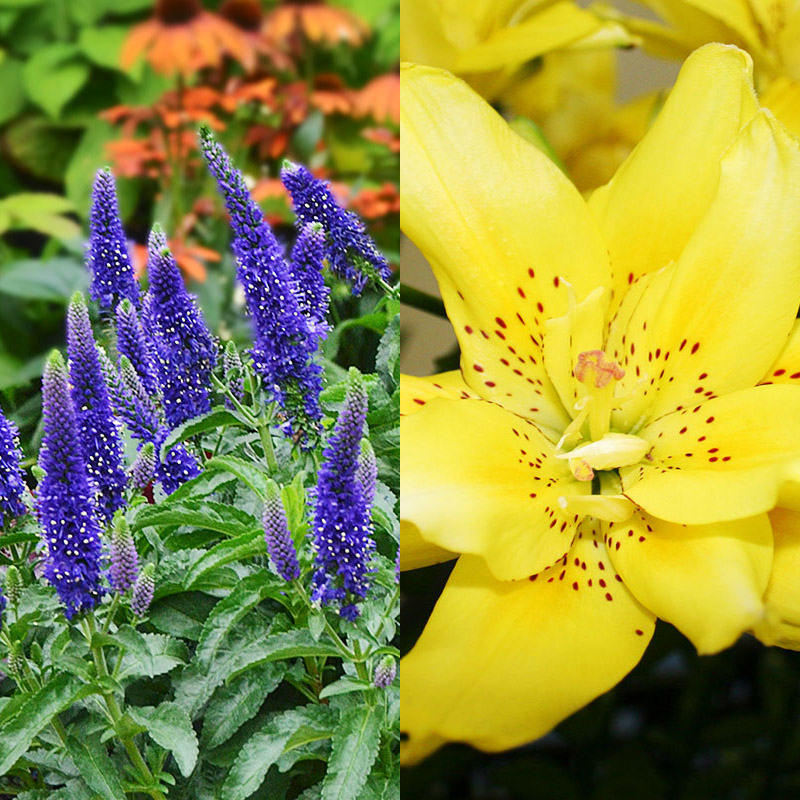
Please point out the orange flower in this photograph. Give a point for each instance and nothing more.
(380, 99)
(317, 22)
(183, 37)
(189, 258)
(248, 17)
(331, 96)
(384, 136)
(372, 203)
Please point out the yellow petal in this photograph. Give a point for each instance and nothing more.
(782, 98)
(719, 460)
(650, 209)
(549, 29)
(477, 479)
(781, 624)
(500, 664)
(491, 214)
(707, 580)
(415, 552)
(786, 368)
(718, 319)
(415, 392)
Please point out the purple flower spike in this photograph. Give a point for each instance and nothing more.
(65, 499)
(132, 343)
(12, 485)
(308, 256)
(124, 559)
(342, 527)
(2, 607)
(285, 341)
(351, 252)
(139, 415)
(185, 350)
(98, 430)
(143, 591)
(385, 673)
(144, 468)
(276, 533)
(367, 472)
(177, 467)
(108, 258)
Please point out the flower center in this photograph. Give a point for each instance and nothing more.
(177, 12)
(605, 449)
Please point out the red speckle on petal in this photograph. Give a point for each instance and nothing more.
(638, 632)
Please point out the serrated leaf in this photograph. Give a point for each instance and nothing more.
(149, 654)
(96, 767)
(181, 614)
(254, 477)
(264, 748)
(34, 714)
(169, 725)
(344, 685)
(239, 701)
(354, 750)
(214, 420)
(53, 75)
(215, 517)
(387, 359)
(238, 549)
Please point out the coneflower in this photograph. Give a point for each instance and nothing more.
(350, 250)
(342, 526)
(185, 350)
(65, 499)
(108, 258)
(284, 340)
(98, 430)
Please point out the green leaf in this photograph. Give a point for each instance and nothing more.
(181, 614)
(42, 212)
(252, 475)
(34, 714)
(308, 134)
(96, 767)
(239, 701)
(13, 90)
(40, 147)
(217, 517)
(238, 549)
(103, 45)
(87, 12)
(169, 725)
(387, 359)
(344, 685)
(355, 747)
(53, 76)
(53, 280)
(264, 748)
(216, 419)
(149, 654)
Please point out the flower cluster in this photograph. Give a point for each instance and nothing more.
(342, 526)
(278, 538)
(65, 501)
(108, 257)
(132, 343)
(11, 484)
(98, 430)
(124, 567)
(185, 350)
(308, 255)
(285, 341)
(350, 251)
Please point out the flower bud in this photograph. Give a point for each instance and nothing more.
(124, 559)
(143, 591)
(385, 673)
(13, 586)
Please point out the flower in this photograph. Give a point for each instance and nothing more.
(317, 21)
(176, 467)
(129, 398)
(143, 591)
(285, 342)
(367, 472)
(184, 348)
(307, 259)
(124, 559)
(132, 343)
(3, 603)
(183, 37)
(342, 528)
(144, 468)
(385, 673)
(107, 257)
(98, 430)
(350, 250)
(769, 32)
(65, 499)
(605, 455)
(234, 374)
(12, 485)
(277, 536)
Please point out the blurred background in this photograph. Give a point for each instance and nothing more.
(126, 83)
(680, 726)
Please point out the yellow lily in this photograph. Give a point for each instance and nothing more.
(768, 29)
(605, 455)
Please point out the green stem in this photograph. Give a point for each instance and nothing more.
(395, 595)
(245, 412)
(116, 715)
(346, 651)
(266, 441)
(422, 300)
(391, 291)
(361, 667)
(111, 613)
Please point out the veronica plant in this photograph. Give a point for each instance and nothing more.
(216, 640)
